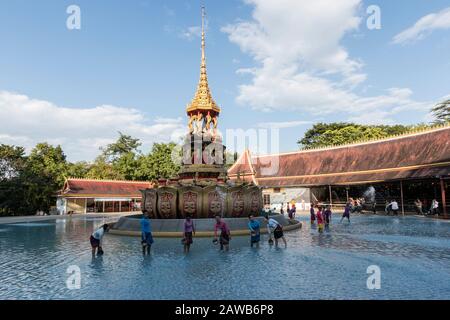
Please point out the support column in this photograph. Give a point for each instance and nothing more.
(85, 205)
(444, 203)
(346, 192)
(401, 196)
(103, 206)
(331, 196)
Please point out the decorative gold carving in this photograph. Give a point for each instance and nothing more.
(214, 201)
(189, 201)
(167, 202)
(149, 200)
(191, 123)
(253, 200)
(208, 121)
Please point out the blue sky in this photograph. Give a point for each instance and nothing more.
(134, 65)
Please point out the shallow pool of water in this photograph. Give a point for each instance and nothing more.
(412, 253)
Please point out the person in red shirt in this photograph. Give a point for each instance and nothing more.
(320, 220)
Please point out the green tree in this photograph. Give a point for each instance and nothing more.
(323, 134)
(441, 112)
(124, 145)
(117, 161)
(158, 163)
(44, 174)
(102, 169)
(12, 162)
(78, 169)
(126, 166)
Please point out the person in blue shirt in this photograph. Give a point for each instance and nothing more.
(254, 227)
(146, 233)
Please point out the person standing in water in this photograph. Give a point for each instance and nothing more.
(394, 207)
(418, 205)
(346, 212)
(320, 219)
(275, 227)
(327, 217)
(189, 230)
(146, 233)
(255, 232)
(294, 210)
(434, 207)
(96, 239)
(312, 214)
(225, 234)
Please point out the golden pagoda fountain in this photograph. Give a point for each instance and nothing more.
(202, 188)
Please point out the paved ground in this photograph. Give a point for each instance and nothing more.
(8, 220)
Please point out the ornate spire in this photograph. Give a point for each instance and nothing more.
(203, 101)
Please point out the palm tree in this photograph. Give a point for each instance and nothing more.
(441, 112)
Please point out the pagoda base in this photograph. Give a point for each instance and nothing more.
(173, 228)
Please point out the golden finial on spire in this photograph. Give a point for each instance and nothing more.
(203, 35)
(203, 103)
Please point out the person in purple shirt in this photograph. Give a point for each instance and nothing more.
(312, 214)
(189, 230)
(346, 212)
(327, 216)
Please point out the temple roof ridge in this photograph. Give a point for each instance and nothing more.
(413, 132)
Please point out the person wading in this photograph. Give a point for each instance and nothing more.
(346, 213)
(327, 216)
(255, 232)
(96, 239)
(273, 226)
(189, 230)
(225, 235)
(146, 233)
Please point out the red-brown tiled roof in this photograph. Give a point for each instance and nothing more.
(243, 168)
(103, 188)
(420, 155)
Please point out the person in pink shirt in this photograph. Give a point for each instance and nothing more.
(225, 235)
(320, 220)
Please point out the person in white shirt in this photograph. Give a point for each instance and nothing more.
(394, 207)
(96, 239)
(277, 229)
(434, 207)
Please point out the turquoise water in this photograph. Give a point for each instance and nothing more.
(412, 253)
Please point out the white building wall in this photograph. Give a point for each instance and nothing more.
(301, 197)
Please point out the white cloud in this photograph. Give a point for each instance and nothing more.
(80, 131)
(191, 32)
(424, 26)
(283, 124)
(372, 118)
(301, 64)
